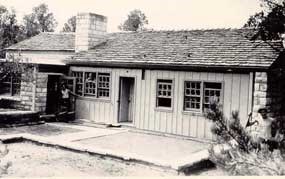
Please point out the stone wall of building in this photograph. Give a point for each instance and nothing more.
(268, 93)
(26, 95)
(33, 93)
(41, 92)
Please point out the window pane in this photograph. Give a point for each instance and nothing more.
(192, 98)
(103, 85)
(164, 93)
(212, 92)
(10, 85)
(79, 82)
(90, 84)
(164, 102)
(16, 85)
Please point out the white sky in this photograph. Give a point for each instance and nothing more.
(162, 14)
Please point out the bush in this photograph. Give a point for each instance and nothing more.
(238, 162)
(227, 130)
(243, 159)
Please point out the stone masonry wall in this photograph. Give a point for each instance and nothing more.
(26, 95)
(267, 93)
(41, 92)
(37, 95)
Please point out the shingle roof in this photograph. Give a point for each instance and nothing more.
(47, 41)
(211, 48)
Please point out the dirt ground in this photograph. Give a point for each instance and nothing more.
(30, 160)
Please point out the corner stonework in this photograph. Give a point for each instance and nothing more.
(267, 93)
(33, 94)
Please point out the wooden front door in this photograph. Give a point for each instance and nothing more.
(126, 99)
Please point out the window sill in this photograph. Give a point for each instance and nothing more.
(193, 113)
(107, 100)
(164, 109)
(11, 98)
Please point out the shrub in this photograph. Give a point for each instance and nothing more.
(227, 130)
(238, 162)
(243, 159)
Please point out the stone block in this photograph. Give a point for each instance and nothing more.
(256, 101)
(260, 94)
(256, 86)
(262, 101)
(263, 87)
(42, 85)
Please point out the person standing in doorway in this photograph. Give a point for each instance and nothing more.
(65, 101)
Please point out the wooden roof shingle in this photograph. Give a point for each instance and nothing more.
(211, 48)
(47, 41)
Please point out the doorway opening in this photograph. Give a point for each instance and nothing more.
(53, 96)
(53, 103)
(126, 100)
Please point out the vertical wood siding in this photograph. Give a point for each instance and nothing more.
(236, 96)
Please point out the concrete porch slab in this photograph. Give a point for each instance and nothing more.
(167, 152)
(158, 149)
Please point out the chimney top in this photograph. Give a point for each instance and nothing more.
(90, 30)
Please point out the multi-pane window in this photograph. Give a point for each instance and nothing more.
(103, 84)
(212, 92)
(10, 85)
(196, 100)
(79, 82)
(92, 84)
(192, 93)
(164, 93)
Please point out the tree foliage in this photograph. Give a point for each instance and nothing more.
(135, 21)
(238, 162)
(70, 25)
(40, 20)
(243, 158)
(10, 31)
(228, 129)
(269, 23)
(15, 65)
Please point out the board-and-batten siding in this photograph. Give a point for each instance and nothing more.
(236, 92)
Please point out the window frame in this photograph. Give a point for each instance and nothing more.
(11, 84)
(96, 96)
(202, 108)
(162, 108)
(201, 96)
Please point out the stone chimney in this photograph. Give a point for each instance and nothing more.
(90, 30)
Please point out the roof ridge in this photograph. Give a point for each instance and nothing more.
(182, 30)
(60, 33)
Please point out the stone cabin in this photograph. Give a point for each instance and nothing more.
(160, 81)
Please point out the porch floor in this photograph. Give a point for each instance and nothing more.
(170, 152)
(155, 148)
